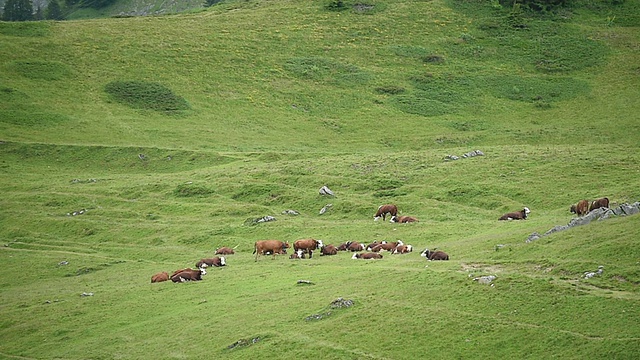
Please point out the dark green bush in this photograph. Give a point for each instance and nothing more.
(146, 95)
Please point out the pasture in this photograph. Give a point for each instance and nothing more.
(131, 146)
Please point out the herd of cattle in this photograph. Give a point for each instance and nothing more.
(305, 247)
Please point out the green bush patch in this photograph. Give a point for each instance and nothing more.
(41, 70)
(146, 95)
(536, 88)
(191, 190)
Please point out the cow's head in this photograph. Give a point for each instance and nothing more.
(425, 253)
(203, 271)
(394, 219)
(526, 211)
(223, 261)
(285, 245)
(319, 244)
(355, 256)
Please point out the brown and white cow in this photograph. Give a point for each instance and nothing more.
(388, 246)
(297, 255)
(225, 251)
(344, 246)
(328, 250)
(160, 277)
(372, 245)
(262, 247)
(518, 215)
(581, 208)
(402, 249)
(307, 245)
(367, 256)
(599, 203)
(383, 210)
(355, 246)
(434, 255)
(216, 262)
(403, 219)
(188, 275)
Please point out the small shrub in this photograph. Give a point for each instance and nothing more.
(390, 89)
(433, 59)
(190, 190)
(146, 95)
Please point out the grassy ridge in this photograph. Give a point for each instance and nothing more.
(284, 97)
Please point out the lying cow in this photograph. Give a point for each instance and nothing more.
(297, 255)
(599, 203)
(262, 247)
(160, 277)
(344, 246)
(367, 256)
(188, 275)
(328, 250)
(216, 262)
(387, 246)
(307, 245)
(372, 245)
(518, 215)
(403, 219)
(202, 270)
(434, 255)
(224, 251)
(355, 246)
(383, 210)
(581, 208)
(402, 249)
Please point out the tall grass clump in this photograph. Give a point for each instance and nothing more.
(146, 95)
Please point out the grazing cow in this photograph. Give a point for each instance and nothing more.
(224, 251)
(518, 215)
(344, 246)
(402, 249)
(383, 210)
(188, 275)
(262, 247)
(434, 255)
(216, 261)
(160, 277)
(307, 245)
(355, 246)
(367, 256)
(403, 219)
(581, 208)
(328, 250)
(599, 203)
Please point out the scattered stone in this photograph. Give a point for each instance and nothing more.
(341, 303)
(290, 212)
(76, 213)
(589, 275)
(243, 343)
(255, 221)
(305, 282)
(470, 154)
(86, 294)
(325, 208)
(451, 157)
(326, 191)
(556, 229)
(317, 316)
(485, 279)
(61, 263)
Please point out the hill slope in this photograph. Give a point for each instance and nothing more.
(132, 146)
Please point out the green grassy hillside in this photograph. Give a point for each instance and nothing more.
(168, 133)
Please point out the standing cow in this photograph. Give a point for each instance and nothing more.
(307, 245)
(262, 247)
(581, 208)
(383, 210)
(599, 203)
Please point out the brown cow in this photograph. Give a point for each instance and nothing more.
(307, 245)
(224, 251)
(216, 261)
(355, 246)
(204, 272)
(328, 250)
(403, 219)
(160, 277)
(383, 210)
(518, 215)
(599, 203)
(372, 245)
(367, 256)
(388, 246)
(344, 246)
(188, 275)
(402, 249)
(434, 255)
(274, 247)
(581, 208)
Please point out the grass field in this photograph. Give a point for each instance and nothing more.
(170, 133)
